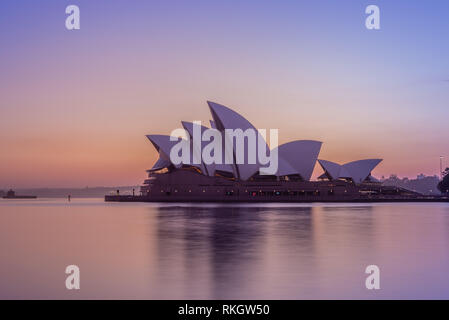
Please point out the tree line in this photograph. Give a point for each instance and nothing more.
(443, 185)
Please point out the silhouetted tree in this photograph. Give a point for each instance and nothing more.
(443, 186)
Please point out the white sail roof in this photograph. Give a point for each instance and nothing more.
(358, 170)
(295, 157)
(225, 118)
(197, 148)
(298, 157)
(160, 164)
(332, 169)
(164, 144)
(361, 169)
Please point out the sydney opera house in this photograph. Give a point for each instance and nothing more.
(247, 182)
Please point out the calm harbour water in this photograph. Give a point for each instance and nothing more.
(207, 251)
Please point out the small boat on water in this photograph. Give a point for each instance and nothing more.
(12, 195)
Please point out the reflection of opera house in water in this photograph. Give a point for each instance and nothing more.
(234, 181)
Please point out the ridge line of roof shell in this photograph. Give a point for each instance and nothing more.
(226, 118)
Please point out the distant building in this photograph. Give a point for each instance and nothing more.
(422, 184)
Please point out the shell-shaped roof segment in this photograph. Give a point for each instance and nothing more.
(361, 169)
(298, 157)
(164, 144)
(210, 168)
(284, 168)
(198, 146)
(331, 168)
(225, 118)
(160, 164)
(358, 170)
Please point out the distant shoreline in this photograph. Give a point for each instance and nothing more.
(87, 192)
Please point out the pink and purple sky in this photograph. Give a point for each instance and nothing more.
(75, 105)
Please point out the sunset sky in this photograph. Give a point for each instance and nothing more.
(75, 106)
